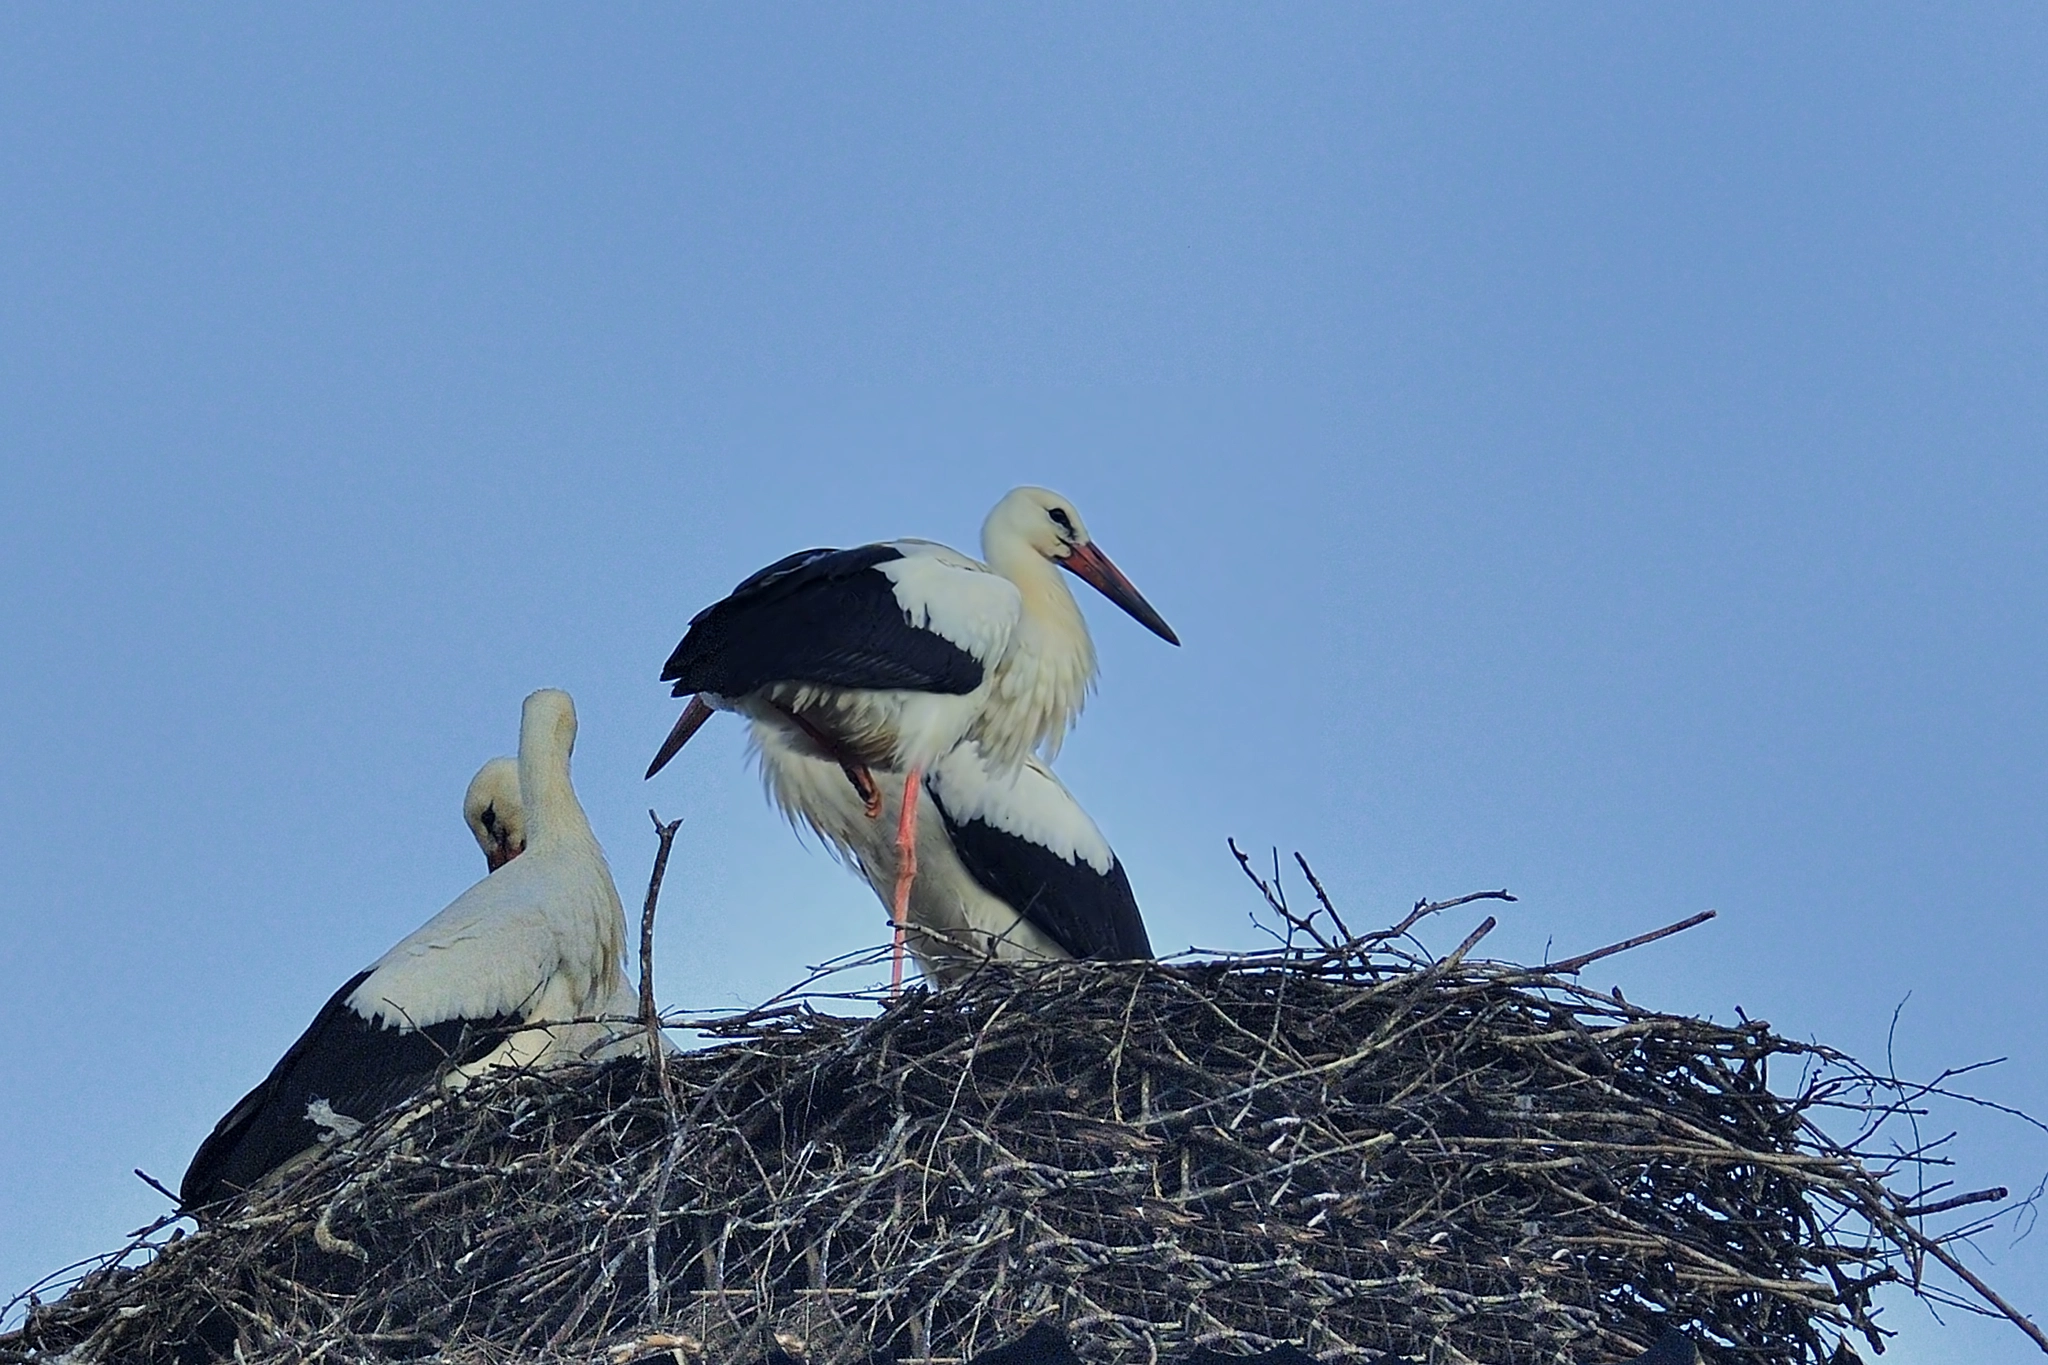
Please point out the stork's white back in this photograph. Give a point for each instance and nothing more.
(543, 937)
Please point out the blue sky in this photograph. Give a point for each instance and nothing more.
(1592, 451)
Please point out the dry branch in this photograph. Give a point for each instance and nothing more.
(650, 1017)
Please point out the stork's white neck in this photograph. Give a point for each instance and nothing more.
(547, 736)
(560, 844)
(1043, 678)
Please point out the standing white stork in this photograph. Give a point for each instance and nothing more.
(888, 655)
(541, 938)
(1009, 864)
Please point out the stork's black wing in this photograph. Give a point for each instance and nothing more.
(818, 616)
(1091, 914)
(359, 1068)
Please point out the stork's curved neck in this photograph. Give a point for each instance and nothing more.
(1049, 605)
(553, 814)
(1031, 571)
(1045, 674)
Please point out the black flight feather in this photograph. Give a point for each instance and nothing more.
(818, 616)
(359, 1068)
(1088, 913)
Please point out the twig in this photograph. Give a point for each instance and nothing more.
(1486, 926)
(1276, 901)
(1344, 933)
(1432, 907)
(1422, 910)
(657, 1054)
(1573, 964)
(146, 1178)
(657, 1061)
(1990, 1196)
(1962, 1272)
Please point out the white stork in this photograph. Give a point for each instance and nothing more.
(1009, 865)
(541, 938)
(888, 655)
(496, 815)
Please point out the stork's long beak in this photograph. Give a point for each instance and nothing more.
(1092, 567)
(693, 718)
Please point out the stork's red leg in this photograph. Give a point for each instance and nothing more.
(906, 872)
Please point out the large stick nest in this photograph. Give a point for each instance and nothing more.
(1375, 1154)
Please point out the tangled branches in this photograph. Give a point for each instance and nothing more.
(1373, 1152)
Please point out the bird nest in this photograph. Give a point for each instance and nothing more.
(1343, 1142)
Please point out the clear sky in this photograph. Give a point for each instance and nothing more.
(1596, 451)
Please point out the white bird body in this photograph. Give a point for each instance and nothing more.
(940, 592)
(487, 982)
(496, 816)
(525, 941)
(889, 655)
(1031, 842)
(1033, 805)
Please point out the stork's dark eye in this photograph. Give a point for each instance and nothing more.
(489, 819)
(1062, 520)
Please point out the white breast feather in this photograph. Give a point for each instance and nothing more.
(1029, 803)
(954, 922)
(1042, 680)
(814, 794)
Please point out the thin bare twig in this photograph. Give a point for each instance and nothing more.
(650, 1017)
(1573, 964)
(1990, 1196)
(1344, 934)
(1934, 1248)
(1276, 901)
(1421, 911)
(146, 1178)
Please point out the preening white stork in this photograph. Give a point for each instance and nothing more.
(496, 815)
(888, 655)
(1008, 864)
(541, 938)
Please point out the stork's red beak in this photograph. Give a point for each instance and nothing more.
(693, 718)
(1092, 567)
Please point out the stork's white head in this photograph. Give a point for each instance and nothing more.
(1037, 519)
(1039, 522)
(495, 813)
